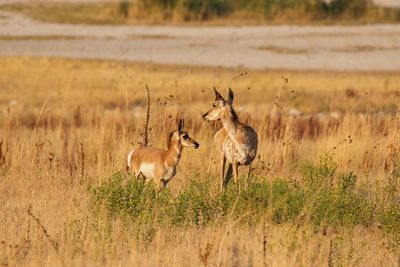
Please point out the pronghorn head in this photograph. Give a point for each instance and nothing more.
(181, 137)
(220, 106)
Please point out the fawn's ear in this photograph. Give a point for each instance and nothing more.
(230, 96)
(218, 96)
(181, 124)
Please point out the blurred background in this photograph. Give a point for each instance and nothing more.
(287, 34)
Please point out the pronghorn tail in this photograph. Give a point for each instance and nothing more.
(129, 160)
(146, 127)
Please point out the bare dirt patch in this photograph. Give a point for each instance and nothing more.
(333, 48)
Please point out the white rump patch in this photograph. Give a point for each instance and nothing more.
(129, 158)
(147, 169)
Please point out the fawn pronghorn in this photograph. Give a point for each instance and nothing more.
(235, 141)
(156, 163)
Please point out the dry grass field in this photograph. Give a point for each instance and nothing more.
(324, 190)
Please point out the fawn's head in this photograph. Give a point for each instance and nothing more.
(179, 136)
(220, 106)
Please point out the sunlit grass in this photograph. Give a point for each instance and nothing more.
(67, 126)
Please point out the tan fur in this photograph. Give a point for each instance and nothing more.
(165, 162)
(219, 139)
(160, 164)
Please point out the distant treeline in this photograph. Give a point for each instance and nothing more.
(279, 10)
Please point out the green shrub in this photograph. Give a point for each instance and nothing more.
(342, 205)
(252, 203)
(195, 204)
(205, 9)
(192, 9)
(389, 214)
(390, 220)
(132, 198)
(315, 176)
(329, 198)
(123, 8)
(287, 200)
(333, 9)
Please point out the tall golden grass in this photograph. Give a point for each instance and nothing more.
(67, 125)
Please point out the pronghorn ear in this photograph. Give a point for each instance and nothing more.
(218, 96)
(230, 96)
(181, 124)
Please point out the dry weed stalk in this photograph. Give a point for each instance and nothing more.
(239, 75)
(391, 161)
(51, 158)
(28, 232)
(264, 244)
(2, 157)
(146, 127)
(82, 163)
(277, 105)
(331, 261)
(77, 117)
(206, 254)
(164, 127)
(39, 149)
(53, 243)
(227, 229)
(41, 112)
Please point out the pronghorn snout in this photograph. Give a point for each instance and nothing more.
(196, 145)
(187, 141)
(210, 115)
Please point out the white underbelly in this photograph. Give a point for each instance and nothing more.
(148, 170)
(241, 154)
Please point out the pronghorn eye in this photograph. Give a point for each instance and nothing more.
(214, 105)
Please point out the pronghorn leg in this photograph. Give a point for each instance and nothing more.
(141, 176)
(228, 176)
(165, 183)
(158, 184)
(222, 174)
(235, 173)
(249, 171)
(248, 175)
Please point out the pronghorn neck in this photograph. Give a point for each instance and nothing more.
(173, 154)
(230, 121)
(231, 124)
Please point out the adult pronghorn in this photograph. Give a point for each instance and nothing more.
(156, 163)
(235, 141)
